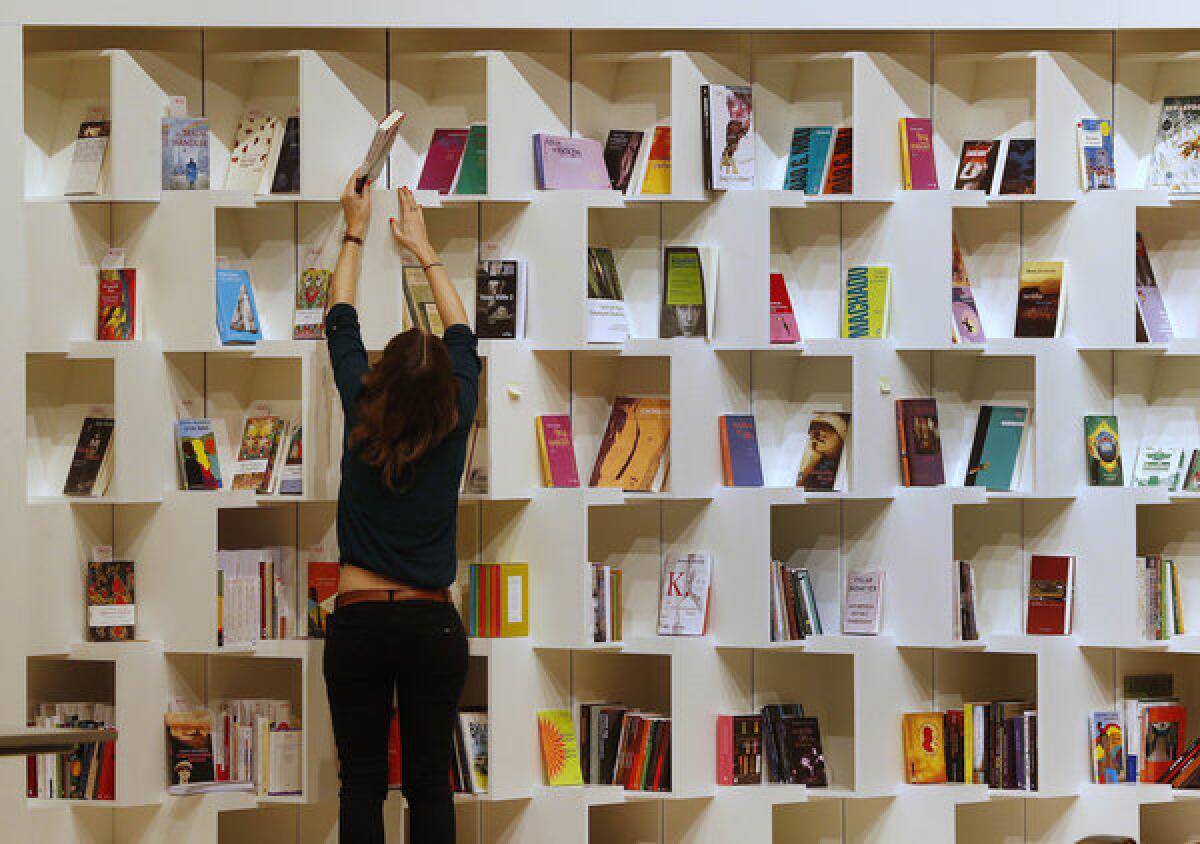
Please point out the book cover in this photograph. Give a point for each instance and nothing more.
(91, 462)
(864, 599)
(474, 726)
(475, 478)
(840, 178)
(924, 747)
(196, 444)
(380, 147)
(968, 629)
(1108, 753)
(111, 608)
(821, 462)
(257, 135)
(116, 304)
(472, 177)
(807, 158)
(285, 749)
(995, 456)
(621, 156)
(1175, 161)
(1097, 168)
(190, 747)
(783, 320)
(683, 590)
(499, 300)
(1040, 298)
(513, 600)
(727, 112)
(739, 450)
(634, 443)
(556, 447)
(1020, 167)
(806, 759)
(88, 157)
(420, 308)
(560, 753)
(608, 317)
(866, 299)
(312, 298)
(656, 180)
(237, 312)
(1049, 593)
(968, 327)
(683, 312)
(1103, 445)
(322, 593)
(287, 166)
(920, 442)
(747, 750)
(257, 453)
(1153, 321)
(977, 165)
(1164, 728)
(185, 153)
(570, 163)
(291, 469)
(916, 134)
(1158, 466)
(1191, 480)
(442, 160)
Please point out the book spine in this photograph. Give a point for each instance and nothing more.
(905, 468)
(905, 163)
(706, 127)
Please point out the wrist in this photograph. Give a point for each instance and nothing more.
(426, 255)
(358, 230)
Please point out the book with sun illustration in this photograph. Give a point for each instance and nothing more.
(560, 753)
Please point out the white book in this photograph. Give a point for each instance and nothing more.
(88, 156)
(728, 116)
(1159, 466)
(380, 148)
(283, 764)
(864, 598)
(475, 742)
(255, 149)
(683, 595)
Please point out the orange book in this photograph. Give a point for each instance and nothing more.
(726, 468)
(634, 444)
(924, 748)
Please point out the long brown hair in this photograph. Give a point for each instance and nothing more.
(407, 405)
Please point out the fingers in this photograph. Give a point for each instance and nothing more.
(396, 230)
(352, 183)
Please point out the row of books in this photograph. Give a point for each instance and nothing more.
(1049, 597)
(1160, 600)
(253, 745)
(257, 596)
(469, 760)
(993, 744)
(779, 744)
(497, 600)
(794, 611)
(86, 771)
(1144, 738)
(616, 745)
(606, 603)
(270, 456)
(1169, 467)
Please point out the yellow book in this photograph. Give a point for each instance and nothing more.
(866, 300)
(904, 156)
(657, 179)
(632, 451)
(560, 753)
(924, 748)
(543, 454)
(514, 599)
(968, 743)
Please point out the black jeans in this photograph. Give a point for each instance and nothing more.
(417, 650)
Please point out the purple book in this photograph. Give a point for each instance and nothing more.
(570, 163)
(1153, 321)
(968, 327)
(739, 451)
(920, 442)
(441, 162)
(918, 143)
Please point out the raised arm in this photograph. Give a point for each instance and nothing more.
(410, 233)
(356, 208)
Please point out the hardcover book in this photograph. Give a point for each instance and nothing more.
(500, 300)
(621, 156)
(258, 453)
(727, 115)
(1097, 170)
(237, 312)
(1153, 321)
(569, 163)
(683, 590)
(995, 459)
(1050, 594)
(783, 319)
(291, 469)
(1174, 163)
(806, 759)
(656, 175)
(312, 298)
(196, 448)
(556, 447)
(1103, 446)
(924, 749)
(840, 178)
(472, 179)
(378, 150)
(111, 609)
(116, 304)
(88, 157)
(1158, 466)
(807, 158)
(634, 444)
(91, 464)
(608, 317)
(968, 327)
(920, 442)
(287, 165)
(916, 142)
(866, 301)
(1020, 167)
(1164, 729)
(863, 601)
(1041, 299)
(822, 460)
(740, 462)
(442, 160)
(190, 747)
(255, 148)
(185, 153)
(420, 308)
(560, 753)
(977, 165)
(1108, 752)
(683, 312)
(322, 593)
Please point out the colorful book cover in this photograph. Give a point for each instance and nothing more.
(920, 442)
(287, 167)
(291, 470)
(199, 466)
(190, 744)
(442, 160)
(1191, 481)
(1020, 167)
(1153, 321)
(322, 593)
(419, 304)
(1165, 732)
(806, 759)
(634, 444)
(924, 749)
(621, 155)
(727, 112)
(1158, 466)
(821, 461)
(739, 450)
(472, 171)
(783, 320)
(996, 451)
(556, 448)
(570, 163)
(977, 165)
(968, 327)
(866, 301)
(474, 726)
(1040, 299)
(1175, 161)
(683, 311)
(111, 609)
(916, 134)
(560, 753)
(185, 153)
(499, 300)
(237, 313)
(116, 304)
(1103, 445)
(512, 599)
(840, 178)
(312, 297)
(807, 158)
(87, 473)
(1108, 752)
(683, 595)
(1049, 595)
(89, 153)
(657, 177)
(1097, 168)
(256, 454)
(608, 317)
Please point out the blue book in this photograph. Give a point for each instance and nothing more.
(185, 153)
(739, 451)
(996, 452)
(1096, 160)
(807, 158)
(237, 314)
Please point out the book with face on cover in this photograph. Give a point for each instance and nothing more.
(1153, 321)
(116, 304)
(621, 156)
(808, 158)
(685, 310)
(822, 463)
(441, 161)
(968, 327)
(683, 590)
(977, 165)
(633, 449)
(727, 116)
(920, 442)
(569, 163)
(258, 453)
(608, 316)
(1103, 446)
(1041, 299)
(190, 747)
(88, 158)
(1108, 751)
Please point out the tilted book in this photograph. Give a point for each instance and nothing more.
(255, 149)
(378, 150)
(1019, 175)
(840, 178)
(621, 156)
(258, 453)
(727, 115)
(237, 312)
(1103, 446)
(291, 468)
(977, 165)
(683, 595)
(111, 608)
(196, 448)
(1049, 593)
(866, 300)
(1173, 163)
(806, 758)
(656, 170)
(500, 300)
(88, 158)
(312, 299)
(1097, 170)
(474, 726)
(560, 752)
(556, 447)
(995, 459)
(472, 178)
(822, 463)
(185, 153)
(808, 158)
(968, 327)
(916, 139)
(322, 593)
(91, 463)
(1153, 321)
(116, 304)
(442, 160)
(740, 461)
(863, 602)
(783, 320)
(920, 442)
(1041, 299)
(569, 163)
(607, 314)
(634, 445)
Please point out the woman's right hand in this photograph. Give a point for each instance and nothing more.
(409, 229)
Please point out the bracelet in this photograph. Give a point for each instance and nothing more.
(352, 238)
(426, 267)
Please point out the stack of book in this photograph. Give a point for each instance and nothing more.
(498, 600)
(254, 745)
(794, 613)
(623, 746)
(993, 743)
(87, 771)
(606, 603)
(780, 743)
(257, 596)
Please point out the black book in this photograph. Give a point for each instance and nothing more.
(89, 473)
(620, 156)
(774, 744)
(498, 304)
(1020, 167)
(287, 170)
(806, 759)
(611, 720)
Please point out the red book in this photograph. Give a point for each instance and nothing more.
(322, 592)
(840, 178)
(116, 304)
(31, 776)
(633, 775)
(783, 320)
(442, 160)
(1051, 583)
(495, 626)
(106, 785)
(724, 750)
(393, 752)
(1164, 730)
(663, 765)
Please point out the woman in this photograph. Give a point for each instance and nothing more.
(394, 632)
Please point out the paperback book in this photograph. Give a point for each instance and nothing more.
(1019, 175)
(321, 595)
(740, 461)
(190, 747)
(420, 308)
(1050, 594)
(1158, 466)
(1108, 751)
(569, 163)
(621, 150)
(1174, 163)
(116, 304)
(968, 326)
(1097, 168)
(111, 606)
(556, 448)
(920, 442)
(684, 311)
(656, 166)
(806, 758)
(606, 603)
(91, 464)
(924, 747)
(634, 445)
(497, 600)
(727, 116)
(312, 299)
(683, 595)
(500, 300)
(237, 312)
(196, 448)
(977, 165)
(291, 464)
(472, 178)
(783, 320)
(1153, 321)
(966, 623)
(89, 155)
(739, 750)
(995, 459)
(1041, 299)
(840, 178)
(863, 602)
(808, 158)
(185, 153)
(608, 316)
(258, 453)
(916, 153)
(866, 302)
(1103, 445)
(286, 178)
(255, 150)
(560, 752)
(378, 150)
(442, 160)
(822, 463)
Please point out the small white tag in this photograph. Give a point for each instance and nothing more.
(114, 259)
(112, 615)
(489, 251)
(96, 112)
(186, 409)
(222, 262)
(100, 411)
(177, 106)
(885, 385)
(102, 553)
(260, 409)
(312, 258)
(515, 602)
(513, 391)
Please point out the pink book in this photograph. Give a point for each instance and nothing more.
(724, 750)
(557, 448)
(441, 162)
(918, 135)
(783, 321)
(570, 163)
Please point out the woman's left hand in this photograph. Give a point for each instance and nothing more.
(356, 207)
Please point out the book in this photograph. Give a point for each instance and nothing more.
(89, 155)
(116, 304)
(863, 601)
(1050, 594)
(1173, 162)
(1158, 466)
(1041, 299)
(556, 448)
(111, 607)
(1108, 754)
(1103, 445)
(472, 178)
(474, 727)
(91, 464)
(379, 149)
(794, 611)
(237, 312)
(196, 448)
(684, 307)
(977, 165)
(1191, 480)
(840, 176)
(497, 600)
(291, 468)
(783, 320)
(924, 747)
(500, 300)
(560, 753)
(965, 619)
(739, 749)
(608, 317)
(285, 753)
(258, 453)
(656, 175)
(1153, 321)
(190, 747)
(442, 160)
(569, 163)
(920, 442)
(1097, 163)
(475, 478)
(621, 156)
(775, 743)
(916, 156)
(808, 157)
(286, 178)
(866, 302)
(312, 298)
(683, 590)
(322, 593)
(995, 459)
(420, 308)
(255, 149)
(727, 123)
(740, 462)
(806, 759)
(1164, 731)
(185, 153)
(968, 327)
(821, 464)
(1019, 175)
(634, 444)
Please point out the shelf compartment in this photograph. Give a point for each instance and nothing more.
(60, 393)
(1171, 236)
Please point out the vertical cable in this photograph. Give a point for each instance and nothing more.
(387, 92)
(571, 82)
(203, 73)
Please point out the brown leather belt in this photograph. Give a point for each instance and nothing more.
(400, 593)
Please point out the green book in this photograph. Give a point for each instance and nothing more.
(996, 450)
(683, 308)
(1103, 451)
(472, 171)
